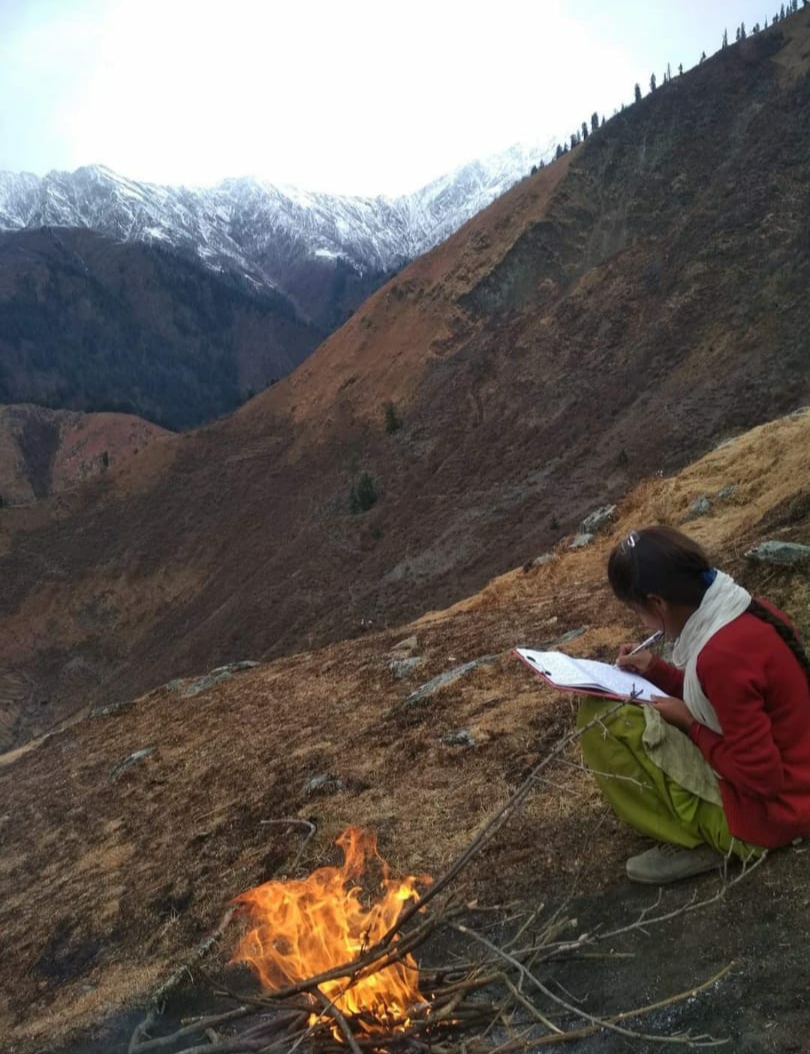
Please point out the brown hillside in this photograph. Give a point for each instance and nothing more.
(44, 452)
(108, 878)
(611, 317)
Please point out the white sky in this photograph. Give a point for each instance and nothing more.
(348, 96)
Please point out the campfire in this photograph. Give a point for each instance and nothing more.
(300, 928)
(336, 964)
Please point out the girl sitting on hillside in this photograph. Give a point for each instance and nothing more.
(720, 763)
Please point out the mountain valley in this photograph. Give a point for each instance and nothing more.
(607, 319)
(91, 324)
(221, 647)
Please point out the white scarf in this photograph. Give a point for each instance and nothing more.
(722, 602)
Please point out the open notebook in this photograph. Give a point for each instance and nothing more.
(587, 675)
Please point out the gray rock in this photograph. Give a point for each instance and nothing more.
(447, 678)
(700, 507)
(219, 673)
(598, 519)
(132, 759)
(783, 554)
(460, 737)
(408, 644)
(202, 684)
(556, 642)
(324, 783)
(725, 492)
(401, 668)
(580, 541)
(111, 709)
(237, 667)
(543, 559)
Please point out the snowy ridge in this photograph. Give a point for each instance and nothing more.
(258, 229)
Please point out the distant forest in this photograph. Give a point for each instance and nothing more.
(142, 331)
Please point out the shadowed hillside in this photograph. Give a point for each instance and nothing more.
(610, 318)
(88, 323)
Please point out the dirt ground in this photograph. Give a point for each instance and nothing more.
(111, 874)
(760, 930)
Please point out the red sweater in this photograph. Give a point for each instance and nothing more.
(762, 700)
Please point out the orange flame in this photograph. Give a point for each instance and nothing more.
(304, 927)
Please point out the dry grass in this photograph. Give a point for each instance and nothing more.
(154, 857)
(793, 60)
(768, 467)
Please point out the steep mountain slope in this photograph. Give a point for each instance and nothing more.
(44, 452)
(92, 324)
(111, 874)
(607, 319)
(325, 252)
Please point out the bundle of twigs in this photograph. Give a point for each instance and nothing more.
(504, 999)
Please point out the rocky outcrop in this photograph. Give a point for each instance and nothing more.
(781, 554)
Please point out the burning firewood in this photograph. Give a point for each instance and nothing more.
(337, 967)
(301, 927)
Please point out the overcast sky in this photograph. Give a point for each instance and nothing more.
(345, 96)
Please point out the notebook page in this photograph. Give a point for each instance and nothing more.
(588, 673)
(620, 682)
(561, 669)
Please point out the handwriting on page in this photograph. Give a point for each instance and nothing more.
(588, 675)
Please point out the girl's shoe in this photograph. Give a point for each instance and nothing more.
(671, 863)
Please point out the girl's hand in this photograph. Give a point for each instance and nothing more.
(674, 711)
(638, 663)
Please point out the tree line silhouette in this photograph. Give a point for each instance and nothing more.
(586, 129)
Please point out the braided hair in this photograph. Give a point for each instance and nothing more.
(786, 632)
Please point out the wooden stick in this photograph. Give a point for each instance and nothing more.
(197, 1026)
(301, 823)
(590, 1030)
(599, 1023)
(330, 1008)
(530, 1007)
(494, 824)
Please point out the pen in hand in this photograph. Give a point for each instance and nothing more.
(646, 643)
(640, 647)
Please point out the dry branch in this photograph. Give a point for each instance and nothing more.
(597, 1022)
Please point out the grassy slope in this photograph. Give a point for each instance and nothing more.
(106, 884)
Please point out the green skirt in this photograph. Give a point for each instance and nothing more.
(641, 793)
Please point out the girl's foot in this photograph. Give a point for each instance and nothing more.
(670, 863)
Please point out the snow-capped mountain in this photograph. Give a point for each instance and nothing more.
(264, 232)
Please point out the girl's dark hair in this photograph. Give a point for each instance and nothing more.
(659, 561)
(663, 562)
(786, 632)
